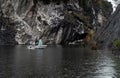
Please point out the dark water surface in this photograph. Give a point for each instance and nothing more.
(57, 62)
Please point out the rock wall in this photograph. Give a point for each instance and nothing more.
(59, 22)
(111, 30)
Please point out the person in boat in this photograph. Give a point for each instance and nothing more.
(40, 43)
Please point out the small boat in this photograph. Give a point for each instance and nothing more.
(36, 47)
(41, 47)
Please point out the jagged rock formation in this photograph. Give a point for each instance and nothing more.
(111, 30)
(59, 22)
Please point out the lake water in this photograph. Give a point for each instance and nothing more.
(57, 62)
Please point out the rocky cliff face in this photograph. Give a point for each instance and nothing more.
(111, 30)
(59, 22)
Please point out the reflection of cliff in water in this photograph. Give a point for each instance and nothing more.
(57, 61)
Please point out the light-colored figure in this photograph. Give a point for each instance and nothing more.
(40, 43)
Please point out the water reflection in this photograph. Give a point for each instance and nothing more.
(105, 65)
(57, 62)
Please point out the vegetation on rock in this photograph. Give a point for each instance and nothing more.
(116, 43)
